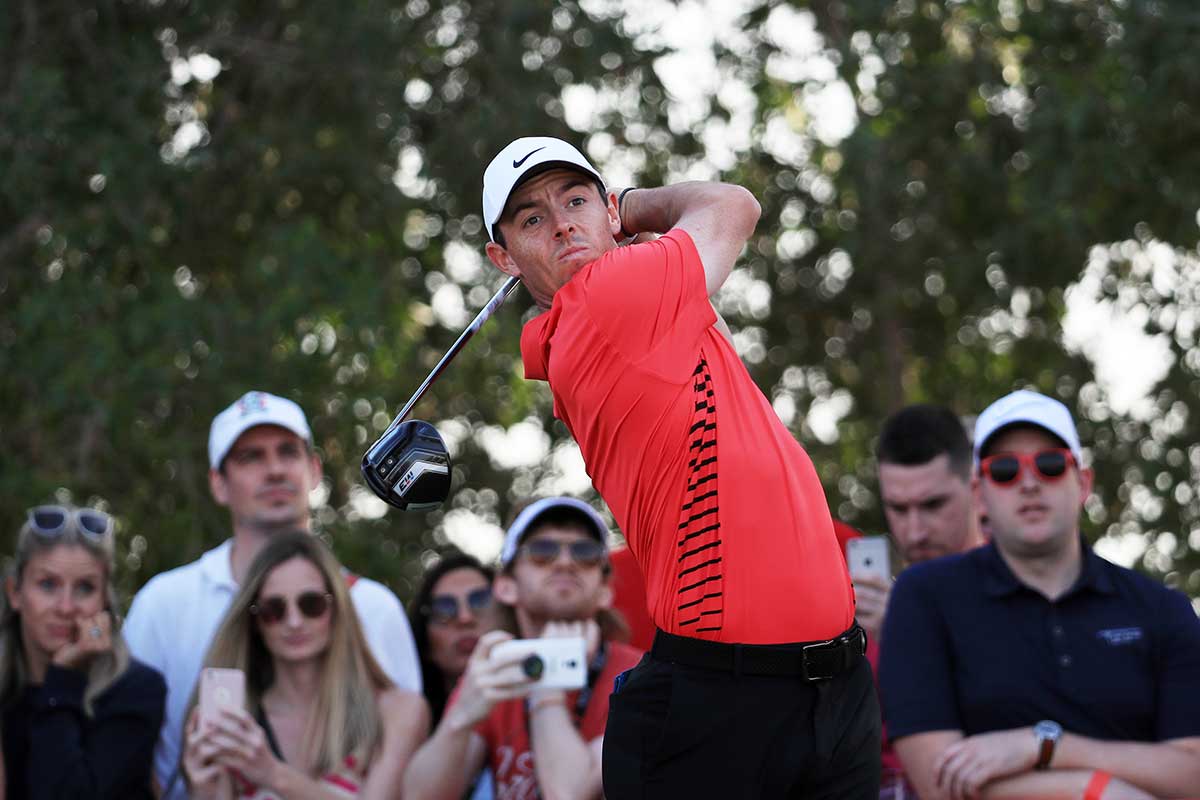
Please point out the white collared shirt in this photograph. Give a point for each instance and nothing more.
(176, 614)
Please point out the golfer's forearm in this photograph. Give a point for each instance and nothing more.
(561, 758)
(661, 209)
(1163, 769)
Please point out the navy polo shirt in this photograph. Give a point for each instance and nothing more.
(968, 647)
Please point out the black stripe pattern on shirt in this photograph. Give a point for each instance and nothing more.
(700, 600)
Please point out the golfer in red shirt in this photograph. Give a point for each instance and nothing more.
(756, 685)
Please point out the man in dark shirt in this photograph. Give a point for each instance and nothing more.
(1032, 667)
(924, 457)
(925, 468)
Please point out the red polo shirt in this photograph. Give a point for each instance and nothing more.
(718, 502)
(629, 597)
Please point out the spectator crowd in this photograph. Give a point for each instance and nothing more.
(1013, 661)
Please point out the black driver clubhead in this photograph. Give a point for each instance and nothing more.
(409, 467)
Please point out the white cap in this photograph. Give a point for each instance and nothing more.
(250, 410)
(530, 514)
(1030, 408)
(521, 159)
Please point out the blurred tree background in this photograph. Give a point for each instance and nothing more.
(198, 199)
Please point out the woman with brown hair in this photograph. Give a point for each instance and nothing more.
(321, 719)
(80, 717)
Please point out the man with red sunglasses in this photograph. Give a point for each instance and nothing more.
(554, 581)
(1031, 667)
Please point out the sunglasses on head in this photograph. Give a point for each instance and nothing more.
(444, 608)
(1005, 468)
(51, 521)
(584, 552)
(273, 609)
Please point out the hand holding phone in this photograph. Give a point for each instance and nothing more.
(551, 663)
(220, 688)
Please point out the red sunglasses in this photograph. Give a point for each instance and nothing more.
(1005, 468)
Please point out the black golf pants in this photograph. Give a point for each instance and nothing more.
(682, 731)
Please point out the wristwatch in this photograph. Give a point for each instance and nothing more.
(1047, 732)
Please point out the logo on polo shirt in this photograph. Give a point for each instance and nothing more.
(1119, 636)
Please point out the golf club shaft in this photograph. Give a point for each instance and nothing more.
(477, 323)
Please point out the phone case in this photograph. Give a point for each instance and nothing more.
(563, 661)
(869, 555)
(218, 688)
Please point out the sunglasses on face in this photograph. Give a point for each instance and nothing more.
(1005, 468)
(445, 608)
(271, 610)
(51, 521)
(543, 552)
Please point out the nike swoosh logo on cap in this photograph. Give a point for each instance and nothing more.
(517, 163)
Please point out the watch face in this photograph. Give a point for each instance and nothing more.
(1046, 729)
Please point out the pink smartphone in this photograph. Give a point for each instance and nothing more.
(220, 688)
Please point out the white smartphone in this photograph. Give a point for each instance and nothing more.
(869, 555)
(220, 688)
(552, 663)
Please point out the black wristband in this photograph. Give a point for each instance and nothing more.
(621, 219)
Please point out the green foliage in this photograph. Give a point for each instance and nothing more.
(306, 222)
(1001, 148)
(171, 239)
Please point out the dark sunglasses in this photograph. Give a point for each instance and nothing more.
(445, 608)
(51, 521)
(584, 552)
(273, 609)
(1050, 465)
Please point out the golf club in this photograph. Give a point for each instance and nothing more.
(409, 466)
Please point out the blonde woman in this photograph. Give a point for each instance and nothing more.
(80, 717)
(322, 720)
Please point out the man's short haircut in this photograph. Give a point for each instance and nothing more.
(917, 434)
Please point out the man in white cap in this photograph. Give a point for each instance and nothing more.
(262, 467)
(554, 582)
(1031, 667)
(756, 684)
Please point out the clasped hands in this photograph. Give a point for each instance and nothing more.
(965, 767)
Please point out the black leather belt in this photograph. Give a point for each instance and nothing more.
(812, 661)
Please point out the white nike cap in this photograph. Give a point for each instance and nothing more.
(249, 411)
(532, 513)
(518, 162)
(1027, 408)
